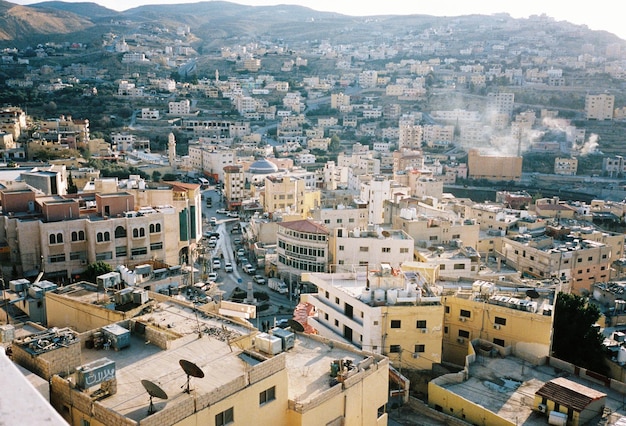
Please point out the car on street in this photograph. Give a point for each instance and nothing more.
(241, 252)
(228, 267)
(217, 264)
(237, 241)
(221, 211)
(232, 214)
(212, 276)
(249, 269)
(213, 221)
(259, 279)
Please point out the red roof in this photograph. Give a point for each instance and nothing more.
(305, 226)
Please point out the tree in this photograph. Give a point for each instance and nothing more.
(71, 186)
(156, 176)
(576, 340)
(96, 269)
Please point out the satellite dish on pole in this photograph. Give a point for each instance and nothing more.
(153, 390)
(190, 370)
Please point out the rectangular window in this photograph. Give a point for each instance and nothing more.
(421, 324)
(459, 266)
(447, 309)
(341, 248)
(78, 255)
(139, 251)
(433, 238)
(267, 395)
(465, 313)
(404, 250)
(396, 324)
(395, 349)
(419, 348)
(121, 251)
(225, 417)
(498, 342)
(386, 249)
(380, 411)
(156, 246)
(107, 255)
(56, 258)
(500, 320)
(364, 249)
(464, 333)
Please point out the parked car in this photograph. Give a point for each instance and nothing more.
(212, 276)
(232, 214)
(237, 241)
(217, 264)
(213, 221)
(221, 211)
(259, 279)
(241, 252)
(249, 269)
(228, 267)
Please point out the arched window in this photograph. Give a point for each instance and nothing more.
(135, 233)
(120, 232)
(152, 228)
(59, 238)
(99, 237)
(53, 239)
(142, 232)
(157, 227)
(107, 236)
(81, 235)
(74, 236)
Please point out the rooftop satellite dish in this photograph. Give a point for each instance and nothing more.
(153, 390)
(190, 369)
(532, 293)
(295, 325)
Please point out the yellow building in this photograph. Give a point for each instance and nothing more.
(382, 311)
(207, 369)
(289, 193)
(505, 319)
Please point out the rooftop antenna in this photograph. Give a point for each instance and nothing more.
(153, 390)
(190, 369)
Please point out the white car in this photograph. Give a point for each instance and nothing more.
(221, 211)
(232, 214)
(228, 267)
(213, 221)
(217, 264)
(212, 276)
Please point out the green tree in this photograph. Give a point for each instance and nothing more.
(576, 340)
(335, 143)
(96, 269)
(156, 176)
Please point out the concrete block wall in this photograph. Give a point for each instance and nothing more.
(173, 413)
(228, 389)
(62, 360)
(267, 368)
(302, 407)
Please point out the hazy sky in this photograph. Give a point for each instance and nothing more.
(598, 15)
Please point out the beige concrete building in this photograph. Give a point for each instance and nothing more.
(369, 246)
(599, 107)
(565, 166)
(61, 236)
(288, 194)
(494, 168)
(349, 216)
(302, 246)
(234, 186)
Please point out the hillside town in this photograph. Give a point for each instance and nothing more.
(417, 230)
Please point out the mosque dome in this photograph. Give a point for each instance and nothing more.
(263, 167)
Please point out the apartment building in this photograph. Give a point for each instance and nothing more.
(127, 142)
(500, 103)
(599, 107)
(289, 193)
(61, 236)
(506, 319)
(347, 216)
(234, 186)
(384, 311)
(369, 246)
(374, 192)
(233, 375)
(339, 100)
(565, 166)
(182, 107)
(430, 229)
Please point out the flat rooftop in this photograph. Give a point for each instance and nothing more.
(507, 386)
(307, 363)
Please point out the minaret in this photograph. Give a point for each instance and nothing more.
(171, 150)
(217, 76)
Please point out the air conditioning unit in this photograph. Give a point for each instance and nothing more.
(83, 261)
(424, 330)
(415, 355)
(462, 319)
(460, 340)
(496, 326)
(543, 408)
